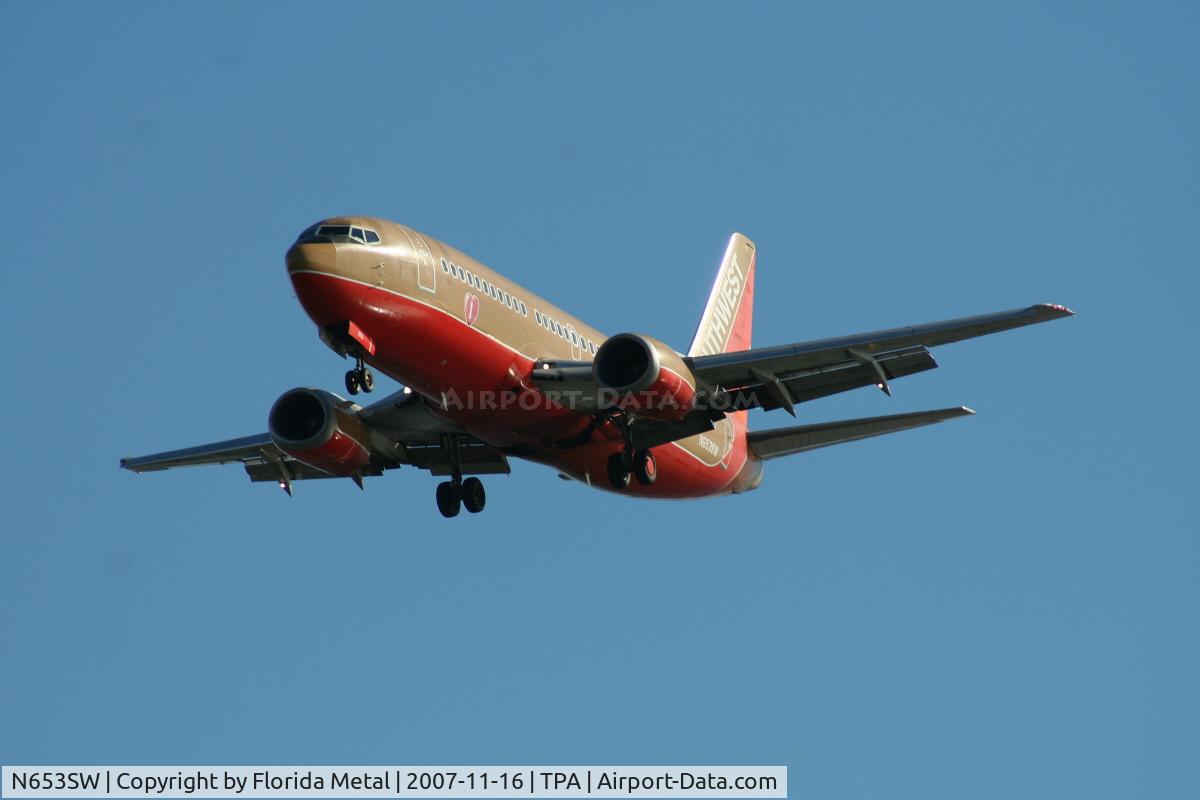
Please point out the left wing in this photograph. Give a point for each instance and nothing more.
(774, 377)
(782, 376)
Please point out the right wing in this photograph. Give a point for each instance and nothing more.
(243, 450)
(787, 441)
(413, 435)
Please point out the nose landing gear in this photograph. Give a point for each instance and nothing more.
(360, 377)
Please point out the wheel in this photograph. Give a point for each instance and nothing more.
(367, 379)
(644, 467)
(449, 499)
(618, 471)
(473, 496)
(352, 381)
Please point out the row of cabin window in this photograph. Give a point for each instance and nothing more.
(497, 294)
(566, 332)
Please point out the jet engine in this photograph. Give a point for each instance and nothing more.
(644, 376)
(321, 430)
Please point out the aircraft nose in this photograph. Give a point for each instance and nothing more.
(311, 257)
(313, 270)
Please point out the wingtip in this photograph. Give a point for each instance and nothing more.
(1055, 309)
(967, 411)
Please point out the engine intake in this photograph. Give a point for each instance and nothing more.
(320, 430)
(645, 376)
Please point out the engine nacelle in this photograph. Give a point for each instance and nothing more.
(645, 376)
(319, 429)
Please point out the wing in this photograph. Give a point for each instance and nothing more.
(787, 441)
(774, 377)
(411, 434)
(247, 448)
(782, 376)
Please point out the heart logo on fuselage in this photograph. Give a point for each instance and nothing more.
(471, 309)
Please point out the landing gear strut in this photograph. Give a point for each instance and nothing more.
(360, 377)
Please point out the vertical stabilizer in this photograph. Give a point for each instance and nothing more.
(725, 325)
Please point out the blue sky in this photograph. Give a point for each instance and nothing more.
(995, 607)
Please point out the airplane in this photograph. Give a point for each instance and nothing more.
(490, 371)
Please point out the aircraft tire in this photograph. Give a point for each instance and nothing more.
(473, 496)
(645, 469)
(618, 471)
(352, 381)
(367, 380)
(449, 499)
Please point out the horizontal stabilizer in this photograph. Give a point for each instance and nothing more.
(787, 441)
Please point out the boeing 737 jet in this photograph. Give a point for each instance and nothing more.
(491, 372)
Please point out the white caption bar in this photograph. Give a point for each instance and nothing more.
(410, 782)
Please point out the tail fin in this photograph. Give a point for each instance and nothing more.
(725, 325)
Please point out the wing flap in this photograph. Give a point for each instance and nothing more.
(474, 458)
(788, 441)
(810, 384)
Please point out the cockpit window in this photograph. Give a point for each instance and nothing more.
(340, 233)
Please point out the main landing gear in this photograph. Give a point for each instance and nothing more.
(629, 464)
(360, 377)
(456, 493)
